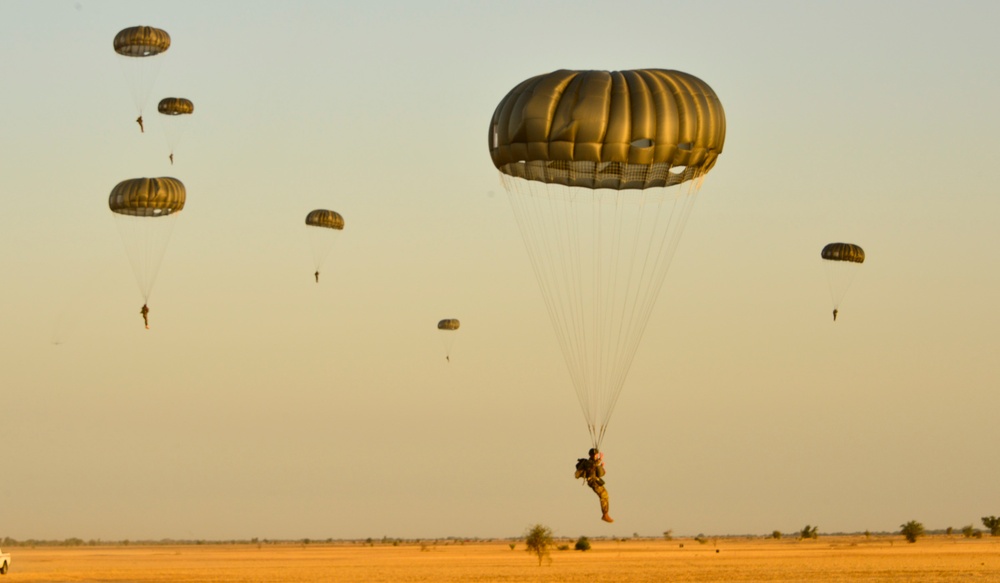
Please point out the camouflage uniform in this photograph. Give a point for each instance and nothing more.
(592, 471)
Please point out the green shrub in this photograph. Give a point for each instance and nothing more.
(992, 523)
(912, 530)
(538, 540)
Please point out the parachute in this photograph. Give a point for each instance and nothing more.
(140, 47)
(175, 106)
(324, 226)
(590, 160)
(176, 111)
(842, 261)
(448, 327)
(145, 210)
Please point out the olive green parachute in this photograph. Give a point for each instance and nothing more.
(841, 261)
(601, 169)
(175, 106)
(140, 48)
(148, 197)
(145, 210)
(601, 129)
(448, 324)
(141, 41)
(843, 252)
(325, 218)
(324, 227)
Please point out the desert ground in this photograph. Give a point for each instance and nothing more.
(729, 559)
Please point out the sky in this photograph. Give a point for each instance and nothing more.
(261, 404)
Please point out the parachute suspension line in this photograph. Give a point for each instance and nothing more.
(626, 318)
(603, 297)
(662, 222)
(318, 241)
(831, 277)
(655, 266)
(609, 290)
(140, 74)
(840, 276)
(545, 221)
(448, 340)
(600, 258)
(145, 240)
(577, 335)
(580, 221)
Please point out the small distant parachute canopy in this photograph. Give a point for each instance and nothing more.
(141, 41)
(448, 328)
(145, 210)
(843, 252)
(326, 219)
(177, 111)
(841, 261)
(588, 159)
(324, 227)
(139, 47)
(175, 106)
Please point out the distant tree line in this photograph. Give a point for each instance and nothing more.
(391, 541)
(912, 529)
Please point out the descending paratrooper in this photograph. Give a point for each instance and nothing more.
(842, 261)
(140, 47)
(145, 210)
(324, 227)
(601, 169)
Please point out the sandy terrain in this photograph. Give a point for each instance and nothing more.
(936, 558)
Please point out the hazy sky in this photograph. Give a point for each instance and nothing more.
(263, 405)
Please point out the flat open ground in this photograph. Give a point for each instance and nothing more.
(934, 558)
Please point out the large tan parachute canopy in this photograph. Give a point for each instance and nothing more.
(141, 41)
(448, 324)
(608, 129)
(844, 252)
(147, 197)
(175, 106)
(326, 219)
